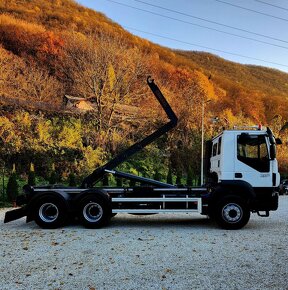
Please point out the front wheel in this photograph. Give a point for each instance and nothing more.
(94, 211)
(232, 213)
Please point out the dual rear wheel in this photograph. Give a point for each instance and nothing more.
(50, 212)
(94, 211)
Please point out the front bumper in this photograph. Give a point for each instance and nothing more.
(266, 203)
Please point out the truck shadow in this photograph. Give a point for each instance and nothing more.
(126, 221)
(133, 221)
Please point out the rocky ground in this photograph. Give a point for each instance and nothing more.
(147, 252)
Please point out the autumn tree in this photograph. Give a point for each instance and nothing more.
(31, 41)
(98, 70)
(25, 81)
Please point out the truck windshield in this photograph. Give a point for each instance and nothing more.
(252, 150)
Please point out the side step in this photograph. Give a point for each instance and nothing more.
(263, 215)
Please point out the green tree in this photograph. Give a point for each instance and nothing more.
(132, 183)
(72, 179)
(179, 177)
(53, 175)
(12, 187)
(170, 176)
(31, 175)
(105, 180)
(157, 175)
(119, 182)
(189, 177)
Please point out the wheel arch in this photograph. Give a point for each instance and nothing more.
(213, 177)
(97, 192)
(239, 188)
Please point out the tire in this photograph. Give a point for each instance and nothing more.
(94, 211)
(50, 212)
(232, 213)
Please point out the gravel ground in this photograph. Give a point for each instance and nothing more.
(147, 252)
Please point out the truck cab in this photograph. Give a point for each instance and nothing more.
(247, 156)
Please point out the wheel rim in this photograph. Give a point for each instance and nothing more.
(92, 212)
(48, 212)
(232, 213)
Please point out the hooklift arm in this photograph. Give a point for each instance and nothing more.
(98, 174)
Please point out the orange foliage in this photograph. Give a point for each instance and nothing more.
(26, 39)
(54, 45)
(51, 46)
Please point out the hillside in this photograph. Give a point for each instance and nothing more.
(260, 78)
(58, 15)
(49, 49)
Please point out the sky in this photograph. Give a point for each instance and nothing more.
(244, 31)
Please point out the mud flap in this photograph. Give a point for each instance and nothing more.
(15, 214)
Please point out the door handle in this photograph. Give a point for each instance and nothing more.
(238, 175)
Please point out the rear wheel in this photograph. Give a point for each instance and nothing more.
(232, 213)
(94, 211)
(50, 212)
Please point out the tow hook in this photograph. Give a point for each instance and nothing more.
(263, 215)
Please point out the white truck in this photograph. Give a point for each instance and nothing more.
(242, 177)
